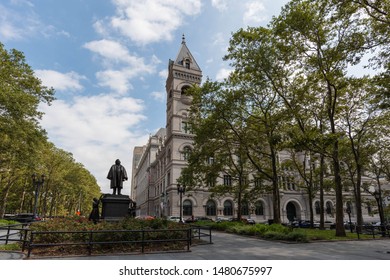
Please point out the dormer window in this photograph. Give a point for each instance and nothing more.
(187, 63)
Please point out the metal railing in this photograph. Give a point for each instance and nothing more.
(379, 231)
(13, 233)
(140, 238)
(202, 233)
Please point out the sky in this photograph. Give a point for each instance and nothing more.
(108, 60)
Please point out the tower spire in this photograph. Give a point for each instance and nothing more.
(183, 39)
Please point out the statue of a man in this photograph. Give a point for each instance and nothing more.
(117, 175)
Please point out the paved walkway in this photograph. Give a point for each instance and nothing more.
(232, 247)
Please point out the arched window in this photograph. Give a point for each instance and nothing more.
(317, 207)
(211, 209)
(228, 208)
(259, 209)
(328, 208)
(244, 208)
(187, 207)
(186, 152)
(183, 90)
(187, 63)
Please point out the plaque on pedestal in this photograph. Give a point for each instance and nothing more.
(115, 207)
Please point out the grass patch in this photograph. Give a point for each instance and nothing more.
(7, 222)
(10, 247)
(280, 232)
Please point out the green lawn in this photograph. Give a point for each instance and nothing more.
(279, 232)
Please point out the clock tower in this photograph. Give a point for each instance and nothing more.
(183, 72)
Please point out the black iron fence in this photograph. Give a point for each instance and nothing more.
(134, 240)
(202, 234)
(374, 231)
(13, 233)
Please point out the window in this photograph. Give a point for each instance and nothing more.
(183, 90)
(257, 182)
(317, 207)
(186, 127)
(187, 208)
(186, 152)
(259, 209)
(328, 208)
(169, 156)
(210, 181)
(245, 208)
(211, 209)
(187, 63)
(227, 180)
(228, 208)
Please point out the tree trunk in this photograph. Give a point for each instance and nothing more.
(322, 210)
(275, 188)
(340, 231)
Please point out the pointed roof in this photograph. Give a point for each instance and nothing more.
(184, 53)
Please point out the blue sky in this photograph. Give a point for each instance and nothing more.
(108, 60)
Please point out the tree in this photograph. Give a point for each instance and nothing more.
(20, 94)
(217, 161)
(24, 148)
(327, 40)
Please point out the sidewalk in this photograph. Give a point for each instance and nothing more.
(235, 247)
(10, 255)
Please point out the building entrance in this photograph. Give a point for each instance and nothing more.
(291, 211)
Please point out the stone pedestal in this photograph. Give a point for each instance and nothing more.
(115, 207)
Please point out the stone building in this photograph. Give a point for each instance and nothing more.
(158, 164)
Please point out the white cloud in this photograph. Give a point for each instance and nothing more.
(15, 26)
(158, 95)
(120, 66)
(117, 80)
(220, 5)
(223, 73)
(163, 73)
(149, 20)
(255, 13)
(96, 130)
(19, 24)
(60, 81)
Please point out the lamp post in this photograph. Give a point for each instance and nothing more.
(37, 183)
(164, 202)
(378, 198)
(181, 189)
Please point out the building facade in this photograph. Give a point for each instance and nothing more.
(158, 165)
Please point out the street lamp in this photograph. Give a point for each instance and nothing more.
(181, 189)
(378, 198)
(37, 183)
(164, 202)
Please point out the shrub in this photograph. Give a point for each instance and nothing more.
(297, 237)
(274, 235)
(109, 232)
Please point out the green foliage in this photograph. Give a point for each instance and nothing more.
(24, 148)
(7, 222)
(10, 247)
(128, 230)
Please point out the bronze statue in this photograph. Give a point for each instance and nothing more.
(117, 174)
